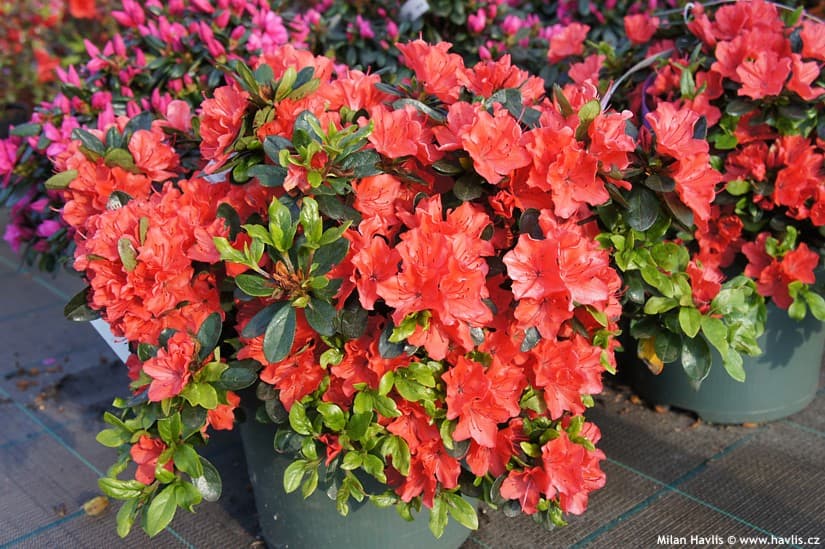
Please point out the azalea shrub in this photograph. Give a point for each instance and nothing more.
(163, 58)
(159, 52)
(38, 36)
(728, 187)
(398, 279)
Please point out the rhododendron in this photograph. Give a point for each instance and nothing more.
(393, 275)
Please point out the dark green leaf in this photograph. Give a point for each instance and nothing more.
(235, 379)
(353, 320)
(386, 348)
(358, 424)
(328, 256)
(321, 316)
(26, 130)
(209, 335)
(280, 333)
(161, 511)
(660, 183)
(642, 208)
(233, 221)
(696, 358)
(89, 141)
(142, 121)
(274, 144)
(262, 318)
(468, 188)
(332, 207)
(668, 346)
(78, 310)
(268, 176)
(275, 411)
(531, 339)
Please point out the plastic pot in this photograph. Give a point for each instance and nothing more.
(779, 383)
(290, 521)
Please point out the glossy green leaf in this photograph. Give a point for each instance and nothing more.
(642, 208)
(209, 335)
(209, 484)
(668, 346)
(235, 379)
(298, 419)
(78, 310)
(690, 319)
(161, 511)
(696, 358)
(461, 511)
(438, 517)
(126, 516)
(280, 333)
(293, 475)
(254, 285)
(188, 461)
(334, 416)
(258, 324)
(321, 316)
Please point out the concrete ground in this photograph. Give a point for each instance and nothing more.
(672, 480)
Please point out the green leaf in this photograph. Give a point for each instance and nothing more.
(658, 305)
(386, 347)
(127, 253)
(193, 419)
(275, 411)
(89, 141)
(531, 339)
(227, 252)
(310, 483)
(273, 144)
(816, 304)
(187, 496)
(29, 129)
(696, 358)
(209, 484)
(235, 379)
(358, 424)
(293, 475)
(254, 285)
(170, 428)
(281, 227)
(334, 416)
(188, 461)
(438, 517)
(78, 310)
(120, 489)
(257, 325)
(280, 333)
(126, 517)
(587, 114)
(667, 346)
(734, 366)
(321, 316)
(310, 220)
(462, 511)
(717, 333)
(61, 180)
(375, 467)
(113, 438)
(120, 158)
(298, 419)
(642, 208)
(201, 394)
(209, 335)
(328, 256)
(690, 319)
(268, 175)
(161, 511)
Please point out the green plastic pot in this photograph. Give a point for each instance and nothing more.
(290, 521)
(779, 383)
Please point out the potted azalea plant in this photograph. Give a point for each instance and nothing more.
(724, 214)
(397, 283)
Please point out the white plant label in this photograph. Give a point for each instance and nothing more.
(118, 345)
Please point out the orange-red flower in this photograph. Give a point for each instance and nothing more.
(145, 453)
(221, 119)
